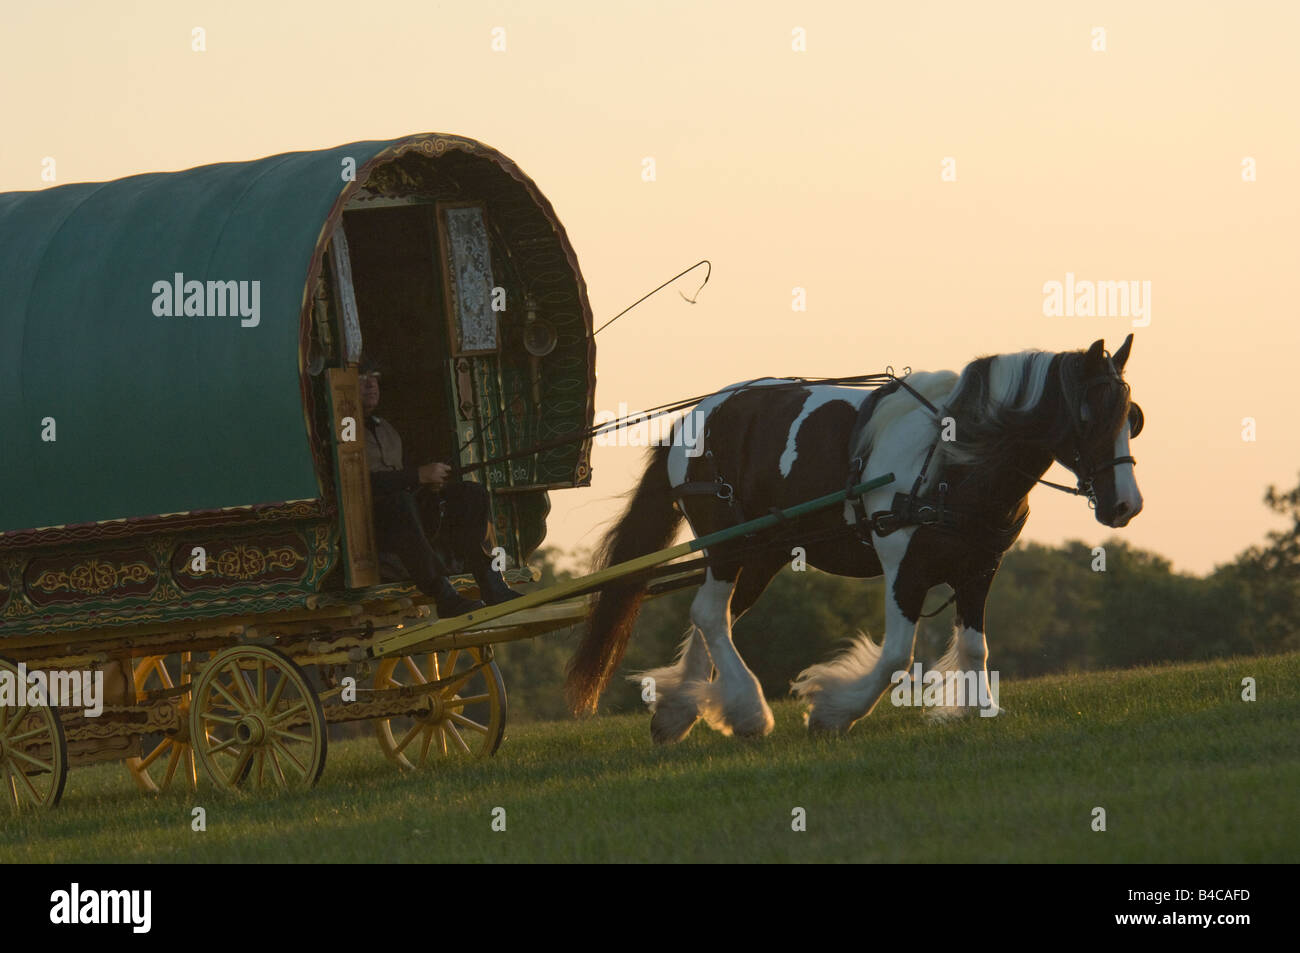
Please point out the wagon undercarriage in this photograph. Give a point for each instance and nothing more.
(248, 704)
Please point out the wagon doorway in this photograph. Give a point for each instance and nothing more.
(394, 254)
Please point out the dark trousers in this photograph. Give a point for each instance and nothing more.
(400, 531)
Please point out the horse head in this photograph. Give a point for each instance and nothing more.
(1103, 419)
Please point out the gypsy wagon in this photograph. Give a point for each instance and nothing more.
(184, 497)
(185, 504)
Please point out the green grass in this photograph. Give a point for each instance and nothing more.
(1185, 769)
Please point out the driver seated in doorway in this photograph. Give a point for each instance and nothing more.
(398, 527)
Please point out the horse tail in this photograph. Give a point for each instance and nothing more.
(649, 524)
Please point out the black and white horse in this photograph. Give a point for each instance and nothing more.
(970, 447)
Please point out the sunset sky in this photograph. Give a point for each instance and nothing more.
(818, 169)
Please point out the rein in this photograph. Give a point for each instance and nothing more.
(642, 416)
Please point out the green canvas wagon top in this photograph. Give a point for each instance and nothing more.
(178, 369)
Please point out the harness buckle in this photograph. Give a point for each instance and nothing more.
(726, 492)
(885, 522)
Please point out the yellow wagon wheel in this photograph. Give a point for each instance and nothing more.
(466, 717)
(256, 722)
(33, 753)
(173, 756)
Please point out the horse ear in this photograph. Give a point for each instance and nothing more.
(1121, 356)
(1096, 354)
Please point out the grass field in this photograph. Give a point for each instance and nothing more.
(1185, 769)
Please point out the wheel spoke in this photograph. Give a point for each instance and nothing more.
(456, 686)
(276, 744)
(153, 755)
(460, 742)
(231, 699)
(237, 771)
(39, 730)
(467, 722)
(301, 739)
(275, 766)
(163, 675)
(220, 719)
(223, 745)
(409, 736)
(301, 706)
(15, 720)
(45, 766)
(241, 682)
(276, 692)
(414, 669)
(461, 701)
(261, 681)
(427, 743)
(172, 762)
(34, 794)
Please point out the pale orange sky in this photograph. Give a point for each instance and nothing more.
(818, 169)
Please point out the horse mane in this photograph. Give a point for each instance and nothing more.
(994, 401)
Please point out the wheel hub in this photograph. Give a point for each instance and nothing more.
(251, 730)
(436, 712)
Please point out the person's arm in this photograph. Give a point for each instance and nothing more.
(408, 478)
(394, 481)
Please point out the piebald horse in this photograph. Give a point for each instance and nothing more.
(969, 446)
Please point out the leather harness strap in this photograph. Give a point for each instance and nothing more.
(717, 487)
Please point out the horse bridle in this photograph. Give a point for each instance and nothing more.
(1085, 475)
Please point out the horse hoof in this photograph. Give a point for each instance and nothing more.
(821, 727)
(671, 723)
(754, 726)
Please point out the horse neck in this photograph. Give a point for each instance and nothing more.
(1003, 481)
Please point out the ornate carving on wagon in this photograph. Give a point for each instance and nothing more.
(240, 562)
(467, 277)
(103, 577)
(324, 550)
(12, 603)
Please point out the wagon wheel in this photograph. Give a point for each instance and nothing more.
(466, 717)
(33, 753)
(256, 722)
(158, 768)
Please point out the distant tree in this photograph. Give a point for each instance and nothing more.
(1263, 583)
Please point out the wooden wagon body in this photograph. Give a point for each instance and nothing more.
(183, 469)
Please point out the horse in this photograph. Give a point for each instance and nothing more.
(971, 446)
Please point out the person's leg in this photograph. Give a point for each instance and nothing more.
(467, 525)
(398, 530)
